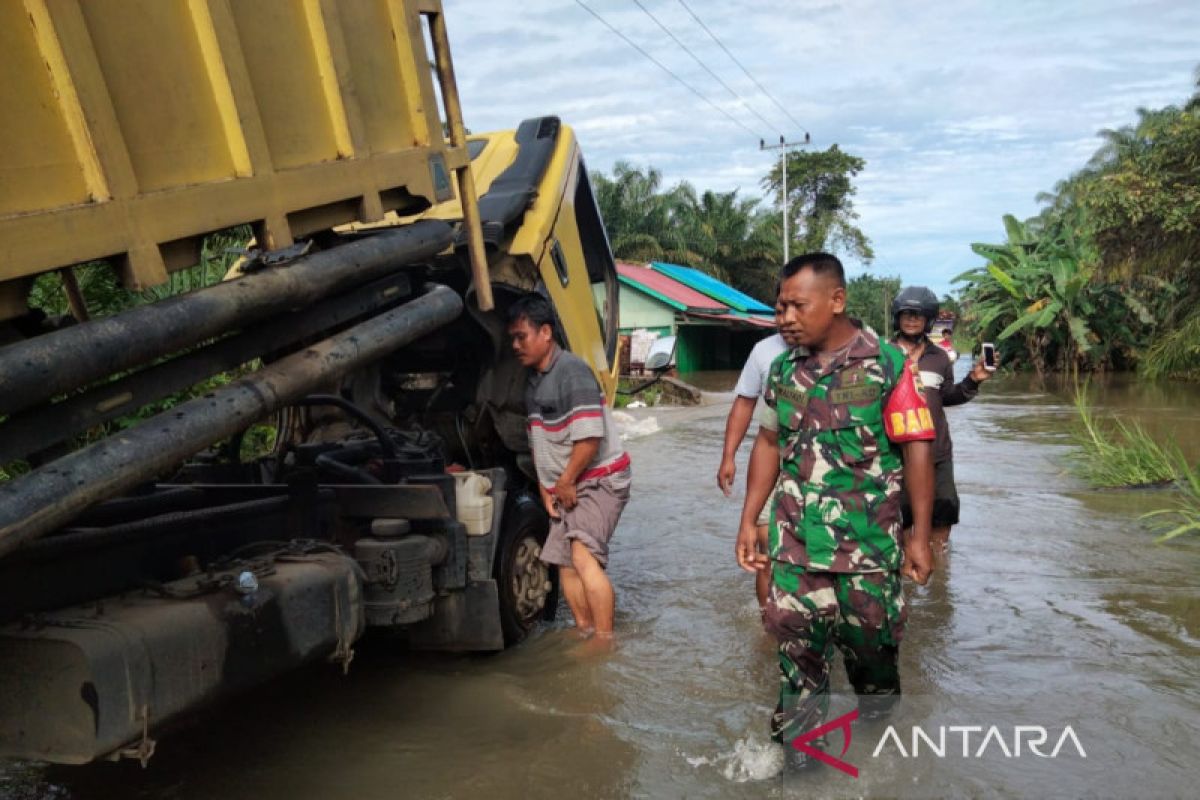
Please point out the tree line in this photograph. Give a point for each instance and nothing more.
(1107, 275)
(735, 238)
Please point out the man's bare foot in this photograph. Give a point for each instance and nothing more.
(598, 645)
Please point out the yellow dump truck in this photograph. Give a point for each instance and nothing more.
(147, 565)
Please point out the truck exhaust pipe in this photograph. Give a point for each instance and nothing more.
(38, 369)
(50, 496)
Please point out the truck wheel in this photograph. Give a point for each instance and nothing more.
(528, 592)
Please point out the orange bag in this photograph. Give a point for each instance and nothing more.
(906, 417)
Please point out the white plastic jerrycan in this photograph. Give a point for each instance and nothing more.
(473, 505)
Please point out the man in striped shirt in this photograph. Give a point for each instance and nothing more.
(583, 472)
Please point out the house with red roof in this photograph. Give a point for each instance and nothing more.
(713, 334)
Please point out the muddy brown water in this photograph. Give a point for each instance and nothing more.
(1053, 609)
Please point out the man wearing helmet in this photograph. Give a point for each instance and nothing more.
(913, 312)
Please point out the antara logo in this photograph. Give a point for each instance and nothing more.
(802, 743)
(1024, 739)
(1034, 737)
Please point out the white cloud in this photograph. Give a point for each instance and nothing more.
(963, 110)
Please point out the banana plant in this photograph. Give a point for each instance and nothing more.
(1037, 292)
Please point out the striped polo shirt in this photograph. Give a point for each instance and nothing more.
(565, 405)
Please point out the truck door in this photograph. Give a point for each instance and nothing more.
(576, 264)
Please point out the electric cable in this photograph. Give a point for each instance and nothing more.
(703, 66)
(733, 58)
(667, 70)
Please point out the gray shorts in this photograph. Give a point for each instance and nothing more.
(591, 522)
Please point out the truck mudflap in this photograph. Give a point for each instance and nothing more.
(96, 680)
(463, 621)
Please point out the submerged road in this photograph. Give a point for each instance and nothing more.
(1053, 609)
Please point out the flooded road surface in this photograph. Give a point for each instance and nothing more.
(1054, 609)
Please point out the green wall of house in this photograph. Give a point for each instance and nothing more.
(701, 346)
(639, 310)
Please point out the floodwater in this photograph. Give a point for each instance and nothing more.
(1054, 608)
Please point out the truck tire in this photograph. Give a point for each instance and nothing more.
(528, 587)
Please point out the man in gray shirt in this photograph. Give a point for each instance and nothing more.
(583, 472)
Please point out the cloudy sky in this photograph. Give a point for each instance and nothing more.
(963, 110)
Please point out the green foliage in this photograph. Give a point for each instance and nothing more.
(258, 441)
(719, 233)
(821, 213)
(869, 298)
(1144, 206)
(1184, 515)
(1119, 453)
(1108, 274)
(651, 396)
(1037, 299)
(104, 295)
(731, 237)
(1175, 353)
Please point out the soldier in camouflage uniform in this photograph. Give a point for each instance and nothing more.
(835, 555)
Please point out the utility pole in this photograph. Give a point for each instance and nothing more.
(783, 148)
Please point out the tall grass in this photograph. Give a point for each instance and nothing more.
(1118, 453)
(1123, 454)
(1184, 516)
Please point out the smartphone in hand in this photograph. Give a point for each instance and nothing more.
(989, 356)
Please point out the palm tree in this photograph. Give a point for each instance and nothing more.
(720, 233)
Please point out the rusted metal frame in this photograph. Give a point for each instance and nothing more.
(75, 299)
(48, 497)
(135, 530)
(38, 369)
(38, 428)
(463, 175)
(406, 501)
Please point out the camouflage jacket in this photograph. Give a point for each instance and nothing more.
(838, 504)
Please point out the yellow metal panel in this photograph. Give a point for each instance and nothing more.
(154, 71)
(65, 32)
(277, 44)
(218, 78)
(32, 243)
(497, 156)
(131, 127)
(40, 167)
(574, 302)
(327, 71)
(224, 29)
(375, 64)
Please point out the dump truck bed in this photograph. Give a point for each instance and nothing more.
(132, 128)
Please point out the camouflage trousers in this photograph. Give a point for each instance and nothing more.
(809, 613)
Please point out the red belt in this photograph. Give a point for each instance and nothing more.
(621, 463)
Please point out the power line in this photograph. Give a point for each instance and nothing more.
(661, 66)
(733, 58)
(704, 66)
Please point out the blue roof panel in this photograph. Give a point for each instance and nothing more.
(707, 284)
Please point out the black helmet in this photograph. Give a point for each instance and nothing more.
(918, 299)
